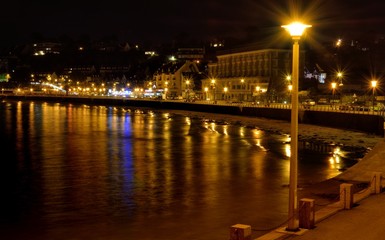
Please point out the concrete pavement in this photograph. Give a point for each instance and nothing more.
(364, 219)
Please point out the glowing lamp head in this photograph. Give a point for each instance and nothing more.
(296, 29)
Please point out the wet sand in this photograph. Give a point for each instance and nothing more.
(306, 132)
(324, 192)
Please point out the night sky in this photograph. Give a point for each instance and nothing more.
(161, 20)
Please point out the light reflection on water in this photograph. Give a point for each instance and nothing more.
(93, 171)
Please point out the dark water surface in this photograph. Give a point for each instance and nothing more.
(96, 172)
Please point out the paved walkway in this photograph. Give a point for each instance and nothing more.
(365, 220)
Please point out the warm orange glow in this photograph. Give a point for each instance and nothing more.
(374, 83)
(296, 29)
(288, 78)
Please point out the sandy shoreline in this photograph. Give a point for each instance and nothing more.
(306, 132)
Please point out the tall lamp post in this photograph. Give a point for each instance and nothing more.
(339, 76)
(296, 30)
(340, 84)
(257, 99)
(215, 90)
(374, 85)
(242, 90)
(188, 90)
(334, 85)
(290, 88)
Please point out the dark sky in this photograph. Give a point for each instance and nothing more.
(161, 20)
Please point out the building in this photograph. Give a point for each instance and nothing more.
(250, 75)
(44, 48)
(175, 79)
(191, 54)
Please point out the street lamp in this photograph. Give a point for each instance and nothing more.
(339, 76)
(225, 89)
(289, 85)
(374, 85)
(296, 30)
(188, 90)
(242, 90)
(257, 90)
(165, 90)
(213, 85)
(334, 85)
(290, 88)
(206, 90)
(288, 78)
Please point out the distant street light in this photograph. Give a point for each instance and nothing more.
(374, 85)
(296, 30)
(188, 90)
(257, 90)
(334, 85)
(288, 78)
(290, 88)
(214, 89)
(339, 76)
(241, 98)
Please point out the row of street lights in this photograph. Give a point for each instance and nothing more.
(373, 85)
(257, 90)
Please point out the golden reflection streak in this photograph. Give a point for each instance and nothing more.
(242, 131)
(225, 130)
(335, 160)
(287, 150)
(188, 121)
(90, 121)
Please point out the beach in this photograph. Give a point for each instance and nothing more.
(306, 132)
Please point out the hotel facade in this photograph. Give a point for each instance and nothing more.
(250, 75)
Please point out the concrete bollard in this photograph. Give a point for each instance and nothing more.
(306, 213)
(240, 232)
(375, 184)
(346, 195)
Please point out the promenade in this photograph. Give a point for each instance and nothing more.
(364, 220)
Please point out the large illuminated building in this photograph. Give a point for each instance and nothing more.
(244, 74)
